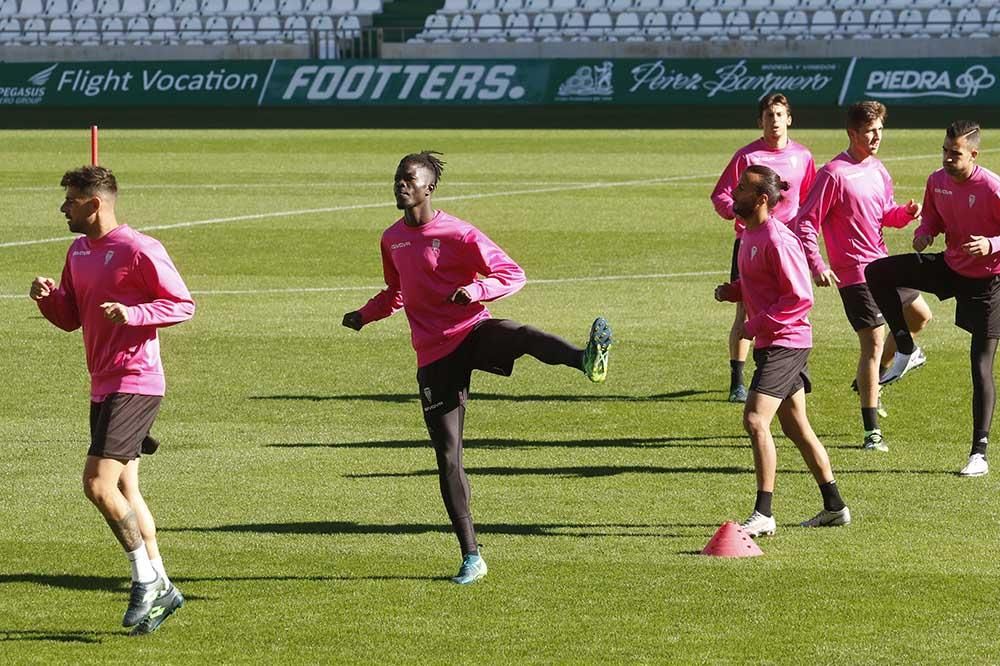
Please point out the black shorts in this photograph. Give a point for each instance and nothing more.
(860, 306)
(444, 384)
(734, 267)
(781, 371)
(120, 423)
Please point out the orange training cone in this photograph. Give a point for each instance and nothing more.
(731, 541)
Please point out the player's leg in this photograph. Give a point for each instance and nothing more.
(871, 341)
(795, 424)
(981, 355)
(739, 349)
(917, 313)
(757, 416)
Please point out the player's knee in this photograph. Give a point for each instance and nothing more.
(97, 490)
(755, 422)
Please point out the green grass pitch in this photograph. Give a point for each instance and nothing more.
(295, 493)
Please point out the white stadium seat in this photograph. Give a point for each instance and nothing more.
(709, 24)
(882, 22)
(599, 25)
(341, 7)
(938, 22)
(737, 24)
(462, 26)
(656, 25)
(910, 22)
(545, 25)
(824, 23)
(490, 26)
(368, 7)
(455, 6)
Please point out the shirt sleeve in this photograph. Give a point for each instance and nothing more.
(171, 302)
(722, 195)
(931, 223)
(500, 275)
(995, 218)
(59, 307)
(822, 196)
(893, 215)
(788, 265)
(808, 178)
(390, 299)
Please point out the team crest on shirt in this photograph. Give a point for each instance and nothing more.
(108, 256)
(753, 253)
(436, 243)
(972, 200)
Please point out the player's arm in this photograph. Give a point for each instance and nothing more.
(812, 215)
(57, 303)
(382, 304)
(722, 195)
(931, 222)
(169, 301)
(500, 275)
(729, 292)
(982, 246)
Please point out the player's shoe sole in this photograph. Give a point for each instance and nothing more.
(595, 356)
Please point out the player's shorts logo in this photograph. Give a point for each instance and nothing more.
(427, 394)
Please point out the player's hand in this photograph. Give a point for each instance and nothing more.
(977, 246)
(460, 297)
(912, 209)
(726, 293)
(826, 279)
(41, 287)
(352, 320)
(921, 243)
(116, 312)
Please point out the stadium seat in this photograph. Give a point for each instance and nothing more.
(738, 25)
(184, 8)
(112, 30)
(9, 9)
(627, 25)
(216, 30)
(490, 26)
(31, 8)
(673, 5)
(620, 6)
(938, 22)
(698, 6)
(824, 23)
(342, 7)
(537, 5)
(80, 8)
(767, 24)
(235, 8)
(133, 8)
(958, 4)
(349, 27)
(290, 7)
(108, 8)
(518, 27)
(993, 21)
(599, 25)
(483, 6)
(655, 25)
(316, 7)
(682, 24)
(33, 31)
(896, 5)
(882, 22)
(212, 7)
(968, 21)
(593, 5)
(784, 5)
(795, 24)
(729, 5)
(455, 6)
(709, 24)
(137, 30)
(564, 5)
(56, 8)
(910, 22)
(10, 30)
(573, 24)
(296, 30)
(756, 5)
(159, 7)
(60, 31)
(852, 23)
(814, 5)
(647, 5)
(190, 30)
(368, 7)
(243, 29)
(85, 31)
(843, 5)
(545, 25)
(510, 6)
(263, 7)
(268, 30)
(462, 26)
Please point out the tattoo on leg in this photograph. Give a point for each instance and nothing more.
(127, 531)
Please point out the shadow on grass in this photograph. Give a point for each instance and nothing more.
(627, 442)
(508, 529)
(400, 398)
(88, 637)
(574, 472)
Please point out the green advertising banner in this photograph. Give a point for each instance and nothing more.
(651, 81)
(173, 83)
(915, 82)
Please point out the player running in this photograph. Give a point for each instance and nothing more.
(441, 270)
(775, 290)
(120, 286)
(962, 201)
(794, 163)
(851, 201)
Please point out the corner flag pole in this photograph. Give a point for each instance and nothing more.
(93, 145)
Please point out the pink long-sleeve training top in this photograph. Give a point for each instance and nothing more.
(423, 266)
(850, 202)
(961, 210)
(775, 287)
(794, 163)
(127, 267)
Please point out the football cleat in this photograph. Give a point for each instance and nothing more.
(595, 356)
(977, 466)
(473, 568)
(141, 600)
(827, 518)
(902, 364)
(163, 607)
(874, 441)
(759, 525)
(738, 394)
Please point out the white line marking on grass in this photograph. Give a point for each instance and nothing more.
(375, 288)
(387, 184)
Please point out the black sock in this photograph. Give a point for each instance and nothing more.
(831, 496)
(979, 442)
(763, 503)
(736, 374)
(869, 416)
